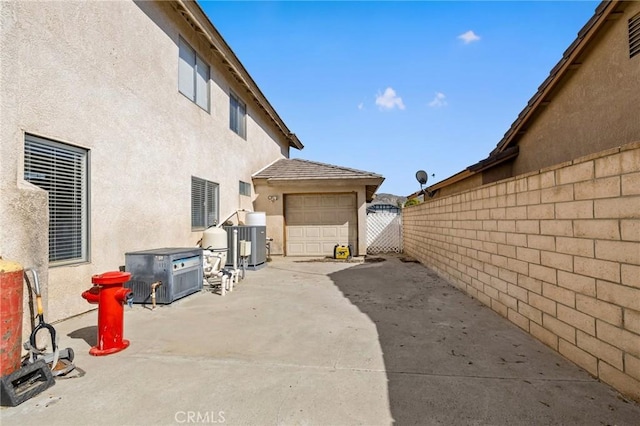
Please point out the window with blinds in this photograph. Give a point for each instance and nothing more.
(634, 36)
(237, 116)
(204, 203)
(193, 76)
(62, 171)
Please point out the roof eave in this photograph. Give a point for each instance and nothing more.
(602, 14)
(372, 180)
(486, 164)
(196, 15)
(371, 184)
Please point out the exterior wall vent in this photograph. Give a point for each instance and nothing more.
(634, 36)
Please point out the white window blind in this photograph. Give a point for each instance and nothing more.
(237, 115)
(193, 75)
(61, 170)
(204, 203)
(202, 81)
(185, 70)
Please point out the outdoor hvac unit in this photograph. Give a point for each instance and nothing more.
(179, 269)
(257, 235)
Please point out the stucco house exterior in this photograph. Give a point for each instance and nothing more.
(125, 126)
(546, 230)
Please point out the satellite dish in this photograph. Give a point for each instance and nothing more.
(422, 177)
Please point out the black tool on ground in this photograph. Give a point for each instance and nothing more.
(25, 383)
(59, 361)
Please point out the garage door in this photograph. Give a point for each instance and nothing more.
(316, 223)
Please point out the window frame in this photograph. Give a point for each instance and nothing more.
(207, 193)
(195, 79)
(61, 160)
(237, 115)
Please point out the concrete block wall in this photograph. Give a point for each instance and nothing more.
(556, 252)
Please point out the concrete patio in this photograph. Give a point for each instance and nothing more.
(308, 342)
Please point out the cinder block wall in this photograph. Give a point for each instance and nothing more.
(557, 252)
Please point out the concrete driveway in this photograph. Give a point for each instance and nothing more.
(304, 342)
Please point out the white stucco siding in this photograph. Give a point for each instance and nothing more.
(103, 76)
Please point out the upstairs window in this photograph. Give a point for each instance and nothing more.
(193, 76)
(62, 171)
(634, 36)
(204, 203)
(237, 116)
(245, 188)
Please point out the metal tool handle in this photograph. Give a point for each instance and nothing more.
(36, 282)
(36, 288)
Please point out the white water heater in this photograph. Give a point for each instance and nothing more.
(256, 219)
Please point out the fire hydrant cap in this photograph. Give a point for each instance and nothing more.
(113, 277)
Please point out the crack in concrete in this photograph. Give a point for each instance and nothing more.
(334, 367)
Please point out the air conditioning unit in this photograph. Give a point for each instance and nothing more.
(179, 269)
(256, 236)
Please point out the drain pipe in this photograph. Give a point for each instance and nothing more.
(153, 293)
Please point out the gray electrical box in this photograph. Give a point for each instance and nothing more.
(257, 237)
(179, 269)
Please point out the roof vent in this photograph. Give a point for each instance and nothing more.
(634, 36)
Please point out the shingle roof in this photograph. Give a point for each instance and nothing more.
(288, 169)
(296, 169)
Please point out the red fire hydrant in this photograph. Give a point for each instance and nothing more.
(110, 295)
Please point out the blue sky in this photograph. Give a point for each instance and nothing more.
(394, 87)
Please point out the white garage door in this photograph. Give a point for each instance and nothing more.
(316, 223)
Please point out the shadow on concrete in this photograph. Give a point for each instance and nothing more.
(451, 360)
(88, 334)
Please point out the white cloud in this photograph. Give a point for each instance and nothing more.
(389, 99)
(439, 100)
(361, 105)
(469, 37)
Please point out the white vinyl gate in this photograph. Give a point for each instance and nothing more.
(384, 233)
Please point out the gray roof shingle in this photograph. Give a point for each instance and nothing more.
(290, 169)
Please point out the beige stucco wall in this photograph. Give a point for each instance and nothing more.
(556, 252)
(597, 108)
(275, 209)
(103, 76)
